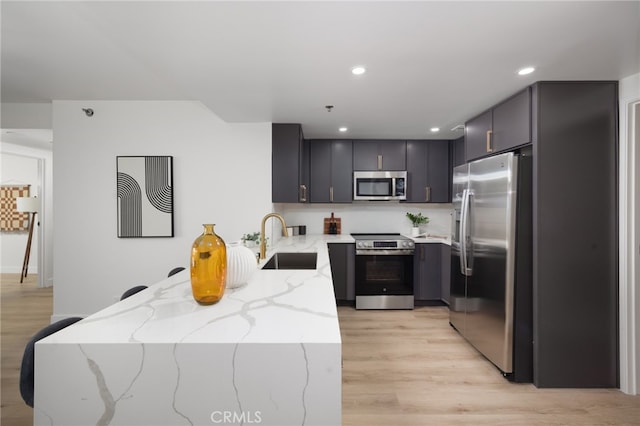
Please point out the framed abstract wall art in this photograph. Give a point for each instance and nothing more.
(10, 218)
(145, 196)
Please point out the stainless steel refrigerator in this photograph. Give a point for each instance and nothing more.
(491, 302)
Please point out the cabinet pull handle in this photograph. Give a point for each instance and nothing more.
(379, 162)
(421, 252)
(303, 193)
(427, 193)
(489, 134)
(331, 194)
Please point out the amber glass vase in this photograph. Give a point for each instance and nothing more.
(208, 267)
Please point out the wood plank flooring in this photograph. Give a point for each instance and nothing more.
(24, 309)
(399, 368)
(411, 368)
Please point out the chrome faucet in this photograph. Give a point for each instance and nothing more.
(263, 240)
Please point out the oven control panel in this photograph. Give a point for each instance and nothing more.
(385, 245)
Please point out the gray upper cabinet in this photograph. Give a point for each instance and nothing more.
(379, 155)
(331, 177)
(289, 164)
(504, 127)
(457, 152)
(428, 172)
(476, 134)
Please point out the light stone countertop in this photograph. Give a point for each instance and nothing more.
(269, 350)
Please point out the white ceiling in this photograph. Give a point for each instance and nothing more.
(429, 63)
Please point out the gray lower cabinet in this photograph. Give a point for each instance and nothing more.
(445, 263)
(427, 272)
(289, 164)
(379, 154)
(428, 172)
(331, 174)
(503, 127)
(342, 257)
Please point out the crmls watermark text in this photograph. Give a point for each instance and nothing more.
(233, 417)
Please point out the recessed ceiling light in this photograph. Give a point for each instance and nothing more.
(343, 129)
(358, 70)
(525, 71)
(435, 129)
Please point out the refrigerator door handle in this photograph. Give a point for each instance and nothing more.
(464, 233)
(463, 245)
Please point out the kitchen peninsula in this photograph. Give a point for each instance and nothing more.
(268, 353)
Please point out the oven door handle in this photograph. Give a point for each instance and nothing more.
(365, 252)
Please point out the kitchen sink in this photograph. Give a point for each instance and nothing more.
(285, 260)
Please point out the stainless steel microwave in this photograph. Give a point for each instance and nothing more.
(379, 185)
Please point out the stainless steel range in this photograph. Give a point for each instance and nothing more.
(384, 271)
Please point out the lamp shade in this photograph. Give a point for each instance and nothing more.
(27, 204)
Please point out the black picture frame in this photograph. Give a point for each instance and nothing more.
(145, 196)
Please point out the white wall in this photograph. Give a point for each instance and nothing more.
(629, 98)
(221, 175)
(43, 236)
(369, 217)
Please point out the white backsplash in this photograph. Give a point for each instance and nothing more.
(368, 217)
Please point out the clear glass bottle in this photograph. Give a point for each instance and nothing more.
(208, 267)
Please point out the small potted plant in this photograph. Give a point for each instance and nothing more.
(251, 240)
(416, 221)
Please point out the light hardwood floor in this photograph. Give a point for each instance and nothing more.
(399, 368)
(24, 309)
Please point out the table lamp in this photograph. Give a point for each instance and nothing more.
(27, 205)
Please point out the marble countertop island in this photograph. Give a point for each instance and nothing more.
(268, 353)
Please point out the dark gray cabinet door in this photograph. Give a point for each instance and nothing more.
(457, 152)
(342, 171)
(416, 171)
(289, 164)
(342, 260)
(438, 172)
(365, 155)
(445, 263)
(427, 272)
(379, 155)
(504, 127)
(476, 134)
(575, 313)
(428, 171)
(331, 174)
(320, 176)
(512, 122)
(394, 154)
